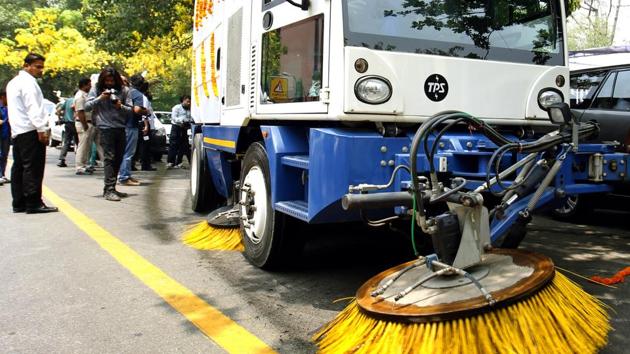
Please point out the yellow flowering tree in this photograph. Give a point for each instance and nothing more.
(68, 53)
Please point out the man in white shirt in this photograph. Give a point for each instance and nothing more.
(180, 123)
(29, 130)
(85, 128)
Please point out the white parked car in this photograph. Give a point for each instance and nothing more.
(56, 128)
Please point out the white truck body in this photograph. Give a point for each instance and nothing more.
(231, 34)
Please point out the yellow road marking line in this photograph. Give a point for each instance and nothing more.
(218, 327)
(218, 142)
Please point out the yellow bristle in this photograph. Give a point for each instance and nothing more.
(203, 236)
(561, 318)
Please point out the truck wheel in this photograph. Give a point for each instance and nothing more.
(572, 207)
(203, 194)
(265, 232)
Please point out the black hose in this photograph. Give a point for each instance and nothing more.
(413, 158)
(436, 141)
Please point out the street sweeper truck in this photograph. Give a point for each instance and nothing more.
(448, 115)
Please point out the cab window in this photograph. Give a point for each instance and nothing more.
(292, 62)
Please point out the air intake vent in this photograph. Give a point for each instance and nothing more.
(252, 79)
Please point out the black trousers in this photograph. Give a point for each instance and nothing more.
(5, 145)
(144, 149)
(70, 135)
(27, 173)
(178, 145)
(113, 141)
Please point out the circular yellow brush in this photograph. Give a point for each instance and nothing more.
(220, 232)
(533, 310)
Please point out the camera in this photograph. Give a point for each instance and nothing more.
(112, 96)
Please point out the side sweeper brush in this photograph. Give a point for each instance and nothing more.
(469, 297)
(220, 231)
(511, 302)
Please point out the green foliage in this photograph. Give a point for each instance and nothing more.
(596, 35)
(574, 5)
(79, 37)
(69, 55)
(120, 26)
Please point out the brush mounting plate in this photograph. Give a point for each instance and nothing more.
(224, 217)
(509, 275)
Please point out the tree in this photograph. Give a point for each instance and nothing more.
(68, 54)
(120, 26)
(594, 25)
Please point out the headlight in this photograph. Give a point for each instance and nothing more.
(373, 90)
(548, 98)
(160, 131)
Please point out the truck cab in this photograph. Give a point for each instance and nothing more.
(294, 102)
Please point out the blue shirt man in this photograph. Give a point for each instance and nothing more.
(5, 137)
(68, 111)
(131, 133)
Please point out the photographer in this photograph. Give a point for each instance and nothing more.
(110, 104)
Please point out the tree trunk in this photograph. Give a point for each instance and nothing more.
(614, 27)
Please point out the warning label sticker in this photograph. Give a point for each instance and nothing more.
(279, 88)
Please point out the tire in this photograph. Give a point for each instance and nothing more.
(572, 208)
(515, 235)
(157, 156)
(203, 194)
(267, 235)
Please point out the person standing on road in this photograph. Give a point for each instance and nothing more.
(5, 137)
(30, 137)
(110, 104)
(131, 135)
(147, 126)
(70, 132)
(85, 128)
(180, 123)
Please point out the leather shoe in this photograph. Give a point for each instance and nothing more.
(42, 209)
(120, 194)
(19, 210)
(111, 196)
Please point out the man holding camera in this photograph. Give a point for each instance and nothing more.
(110, 103)
(29, 130)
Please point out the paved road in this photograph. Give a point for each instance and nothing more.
(62, 292)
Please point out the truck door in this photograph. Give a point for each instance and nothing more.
(291, 48)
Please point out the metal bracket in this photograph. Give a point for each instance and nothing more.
(324, 95)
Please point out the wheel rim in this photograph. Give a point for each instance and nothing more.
(193, 173)
(568, 206)
(254, 203)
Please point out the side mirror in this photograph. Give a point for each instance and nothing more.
(560, 114)
(304, 5)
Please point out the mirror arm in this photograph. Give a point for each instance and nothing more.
(304, 5)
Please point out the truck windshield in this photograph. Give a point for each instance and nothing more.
(523, 31)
